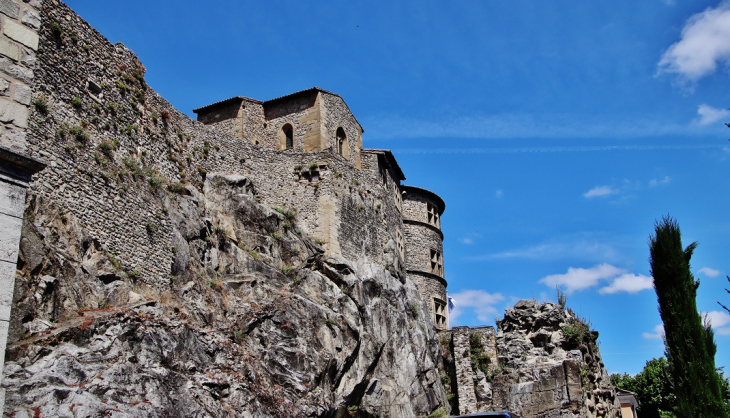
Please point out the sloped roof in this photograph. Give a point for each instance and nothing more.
(310, 90)
(225, 102)
(389, 158)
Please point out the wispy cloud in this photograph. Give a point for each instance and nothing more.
(719, 321)
(657, 333)
(478, 302)
(543, 125)
(657, 182)
(708, 114)
(600, 191)
(535, 150)
(629, 283)
(466, 240)
(569, 247)
(581, 278)
(498, 194)
(709, 272)
(704, 44)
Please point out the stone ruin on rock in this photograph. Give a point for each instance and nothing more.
(256, 262)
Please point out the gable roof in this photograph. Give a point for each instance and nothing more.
(310, 90)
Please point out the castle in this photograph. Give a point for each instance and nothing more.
(256, 262)
(318, 121)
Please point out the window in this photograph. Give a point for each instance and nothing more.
(433, 215)
(341, 139)
(439, 310)
(398, 197)
(399, 244)
(288, 132)
(437, 263)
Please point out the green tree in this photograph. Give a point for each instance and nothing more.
(689, 341)
(652, 388)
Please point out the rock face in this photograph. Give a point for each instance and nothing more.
(543, 362)
(260, 325)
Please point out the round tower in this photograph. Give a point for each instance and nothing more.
(424, 249)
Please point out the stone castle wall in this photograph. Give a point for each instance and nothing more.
(115, 147)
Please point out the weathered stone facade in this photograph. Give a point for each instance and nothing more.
(542, 362)
(19, 23)
(422, 210)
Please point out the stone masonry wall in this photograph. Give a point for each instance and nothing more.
(19, 23)
(303, 113)
(429, 288)
(415, 207)
(225, 118)
(337, 114)
(115, 146)
(420, 239)
(18, 44)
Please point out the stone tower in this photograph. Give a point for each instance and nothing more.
(422, 210)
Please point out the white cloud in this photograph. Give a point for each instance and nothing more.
(600, 191)
(580, 278)
(719, 320)
(657, 182)
(657, 334)
(477, 301)
(630, 283)
(705, 43)
(466, 240)
(709, 272)
(498, 193)
(708, 114)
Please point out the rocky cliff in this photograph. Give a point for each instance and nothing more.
(260, 325)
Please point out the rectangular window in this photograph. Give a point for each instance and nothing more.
(439, 309)
(433, 215)
(399, 243)
(437, 263)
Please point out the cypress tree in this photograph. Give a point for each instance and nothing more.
(689, 341)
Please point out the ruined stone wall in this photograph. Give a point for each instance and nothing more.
(337, 114)
(532, 366)
(303, 113)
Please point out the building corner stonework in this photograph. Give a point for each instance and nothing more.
(19, 24)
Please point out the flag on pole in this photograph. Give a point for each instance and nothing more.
(452, 303)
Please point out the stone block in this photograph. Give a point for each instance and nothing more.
(22, 94)
(12, 200)
(34, 3)
(15, 113)
(20, 33)
(21, 73)
(9, 238)
(9, 8)
(4, 87)
(10, 49)
(27, 57)
(31, 18)
(13, 139)
(7, 286)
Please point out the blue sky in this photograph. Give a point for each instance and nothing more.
(556, 132)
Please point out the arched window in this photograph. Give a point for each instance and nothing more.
(342, 148)
(288, 132)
